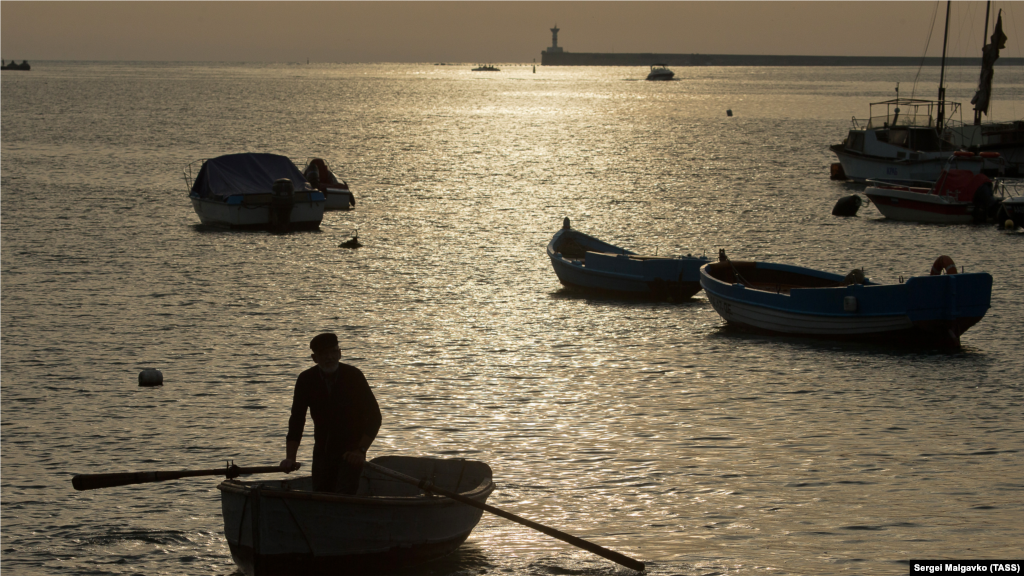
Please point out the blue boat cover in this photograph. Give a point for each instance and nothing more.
(248, 173)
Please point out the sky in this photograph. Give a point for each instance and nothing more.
(493, 32)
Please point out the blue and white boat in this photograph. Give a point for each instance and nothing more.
(933, 310)
(254, 191)
(585, 263)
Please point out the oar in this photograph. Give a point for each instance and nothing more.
(578, 542)
(93, 481)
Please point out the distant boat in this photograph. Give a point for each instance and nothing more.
(585, 263)
(15, 66)
(282, 527)
(254, 191)
(319, 175)
(660, 72)
(932, 310)
(487, 68)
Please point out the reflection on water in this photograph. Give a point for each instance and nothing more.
(647, 428)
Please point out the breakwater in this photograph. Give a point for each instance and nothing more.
(646, 59)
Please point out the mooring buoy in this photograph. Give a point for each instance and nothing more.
(151, 377)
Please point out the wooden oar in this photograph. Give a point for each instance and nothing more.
(578, 542)
(93, 481)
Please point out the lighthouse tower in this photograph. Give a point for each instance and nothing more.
(554, 41)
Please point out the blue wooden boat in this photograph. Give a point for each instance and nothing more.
(284, 528)
(585, 263)
(933, 310)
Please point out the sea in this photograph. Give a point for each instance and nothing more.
(649, 428)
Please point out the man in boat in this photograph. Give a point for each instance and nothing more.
(345, 415)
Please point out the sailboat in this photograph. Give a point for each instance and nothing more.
(1003, 138)
(910, 140)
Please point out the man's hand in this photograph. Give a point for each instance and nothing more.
(355, 458)
(289, 465)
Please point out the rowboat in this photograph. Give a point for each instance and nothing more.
(932, 310)
(282, 527)
(585, 263)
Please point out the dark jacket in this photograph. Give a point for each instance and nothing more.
(339, 419)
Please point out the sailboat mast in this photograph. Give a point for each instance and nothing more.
(942, 74)
(984, 38)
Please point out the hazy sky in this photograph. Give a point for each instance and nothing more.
(485, 31)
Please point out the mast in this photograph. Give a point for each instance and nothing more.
(984, 37)
(942, 75)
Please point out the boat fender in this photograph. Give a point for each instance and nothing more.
(728, 112)
(837, 172)
(565, 223)
(943, 264)
(847, 206)
(151, 377)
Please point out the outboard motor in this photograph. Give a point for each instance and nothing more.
(847, 206)
(985, 205)
(281, 203)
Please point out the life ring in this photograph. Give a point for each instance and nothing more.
(943, 264)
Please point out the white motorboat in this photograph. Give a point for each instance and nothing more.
(1012, 206)
(660, 72)
(252, 190)
(957, 197)
(337, 192)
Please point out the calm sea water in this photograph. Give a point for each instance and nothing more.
(646, 428)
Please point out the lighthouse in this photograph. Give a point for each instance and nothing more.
(554, 41)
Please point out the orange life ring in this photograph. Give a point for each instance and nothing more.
(943, 264)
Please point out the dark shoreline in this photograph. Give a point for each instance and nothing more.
(647, 59)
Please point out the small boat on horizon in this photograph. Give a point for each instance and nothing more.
(253, 190)
(487, 68)
(284, 528)
(337, 192)
(585, 263)
(15, 66)
(932, 310)
(660, 72)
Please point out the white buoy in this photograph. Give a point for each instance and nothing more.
(151, 377)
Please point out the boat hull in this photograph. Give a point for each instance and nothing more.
(339, 199)
(283, 528)
(305, 214)
(926, 167)
(911, 206)
(925, 310)
(1013, 209)
(601, 268)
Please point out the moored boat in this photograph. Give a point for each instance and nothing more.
(585, 263)
(337, 192)
(958, 197)
(252, 190)
(283, 528)
(1012, 206)
(932, 310)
